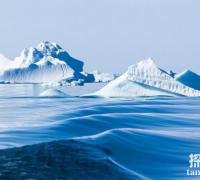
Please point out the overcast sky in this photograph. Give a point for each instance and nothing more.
(108, 35)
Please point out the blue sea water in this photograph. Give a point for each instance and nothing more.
(151, 137)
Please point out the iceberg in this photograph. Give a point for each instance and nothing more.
(53, 93)
(64, 82)
(48, 62)
(103, 77)
(189, 78)
(145, 79)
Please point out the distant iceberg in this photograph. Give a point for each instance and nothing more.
(48, 62)
(103, 77)
(145, 79)
(53, 93)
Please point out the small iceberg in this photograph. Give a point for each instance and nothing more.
(103, 77)
(53, 93)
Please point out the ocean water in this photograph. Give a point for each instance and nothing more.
(150, 138)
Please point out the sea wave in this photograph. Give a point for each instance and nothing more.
(148, 138)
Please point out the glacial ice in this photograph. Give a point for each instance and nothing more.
(145, 79)
(48, 62)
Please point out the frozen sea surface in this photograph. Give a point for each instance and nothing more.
(142, 138)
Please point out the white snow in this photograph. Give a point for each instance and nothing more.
(53, 93)
(145, 79)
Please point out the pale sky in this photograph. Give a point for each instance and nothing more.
(108, 35)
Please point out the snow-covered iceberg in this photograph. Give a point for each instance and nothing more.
(145, 79)
(48, 62)
(189, 78)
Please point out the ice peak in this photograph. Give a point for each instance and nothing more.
(143, 65)
(146, 63)
(187, 73)
(48, 44)
(49, 48)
